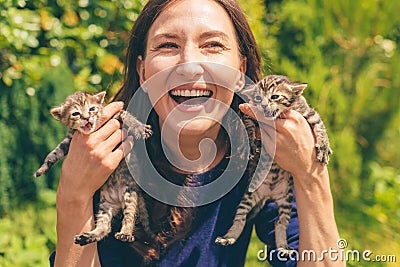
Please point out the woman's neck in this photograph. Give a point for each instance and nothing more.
(195, 153)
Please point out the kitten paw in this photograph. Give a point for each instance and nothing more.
(147, 132)
(143, 131)
(125, 237)
(84, 239)
(224, 241)
(40, 171)
(37, 174)
(322, 153)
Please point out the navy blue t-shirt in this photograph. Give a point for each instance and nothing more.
(199, 248)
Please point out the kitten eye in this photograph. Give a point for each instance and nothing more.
(274, 97)
(92, 109)
(258, 98)
(76, 114)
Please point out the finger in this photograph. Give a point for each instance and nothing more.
(113, 159)
(256, 113)
(106, 130)
(246, 109)
(290, 114)
(127, 145)
(268, 137)
(112, 141)
(109, 111)
(290, 121)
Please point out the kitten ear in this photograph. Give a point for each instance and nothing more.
(56, 112)
(249, 89)
(298, 88)
(248, 92)
(100, 96)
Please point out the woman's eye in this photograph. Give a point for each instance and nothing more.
(217, 46)
(76, 114)
(167, 45)
(274, 97)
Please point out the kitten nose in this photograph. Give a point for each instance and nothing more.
(85, 114)
(264, 102)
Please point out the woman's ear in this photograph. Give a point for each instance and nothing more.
(242, 80)
(243, 65)
(140, 71)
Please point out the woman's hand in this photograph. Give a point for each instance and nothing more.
(90, 161)
(295, 153)
(93, 157)
(290, 139)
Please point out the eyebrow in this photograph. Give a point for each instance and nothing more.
(165, 36)
(207, 34)
(215, 33)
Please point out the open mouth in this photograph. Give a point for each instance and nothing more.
(88, 127)
(190, 97)
(271, 113)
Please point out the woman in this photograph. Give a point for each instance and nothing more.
(185, 36)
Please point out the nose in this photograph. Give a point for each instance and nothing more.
(189, 70)
(190, 64)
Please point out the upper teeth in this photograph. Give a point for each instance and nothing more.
(189, 93)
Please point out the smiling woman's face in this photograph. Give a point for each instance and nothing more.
(194, 44)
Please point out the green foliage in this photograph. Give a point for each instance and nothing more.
(48, 49)
(28, 236)
(347, 51)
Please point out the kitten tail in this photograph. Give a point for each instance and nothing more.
(40, 171)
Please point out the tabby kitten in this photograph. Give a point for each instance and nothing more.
(273, 95)
(81, 112)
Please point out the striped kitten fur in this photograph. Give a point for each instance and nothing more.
(82, 112)
(273, 95)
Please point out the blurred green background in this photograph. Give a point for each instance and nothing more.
(347, 51)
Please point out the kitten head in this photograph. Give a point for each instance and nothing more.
(274, 94)
(80, 111)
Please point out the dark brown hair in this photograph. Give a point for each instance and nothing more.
(179, 220)
(138, 40)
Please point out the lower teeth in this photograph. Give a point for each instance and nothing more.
(194, 101)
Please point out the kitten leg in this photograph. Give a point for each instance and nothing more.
(103, 223)
(244, 208)
(130, 212)
(54, 156)
(144, 217)
(251, 134)
(322, 147)
(135, 127)
(265, 161)
(284, 208)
